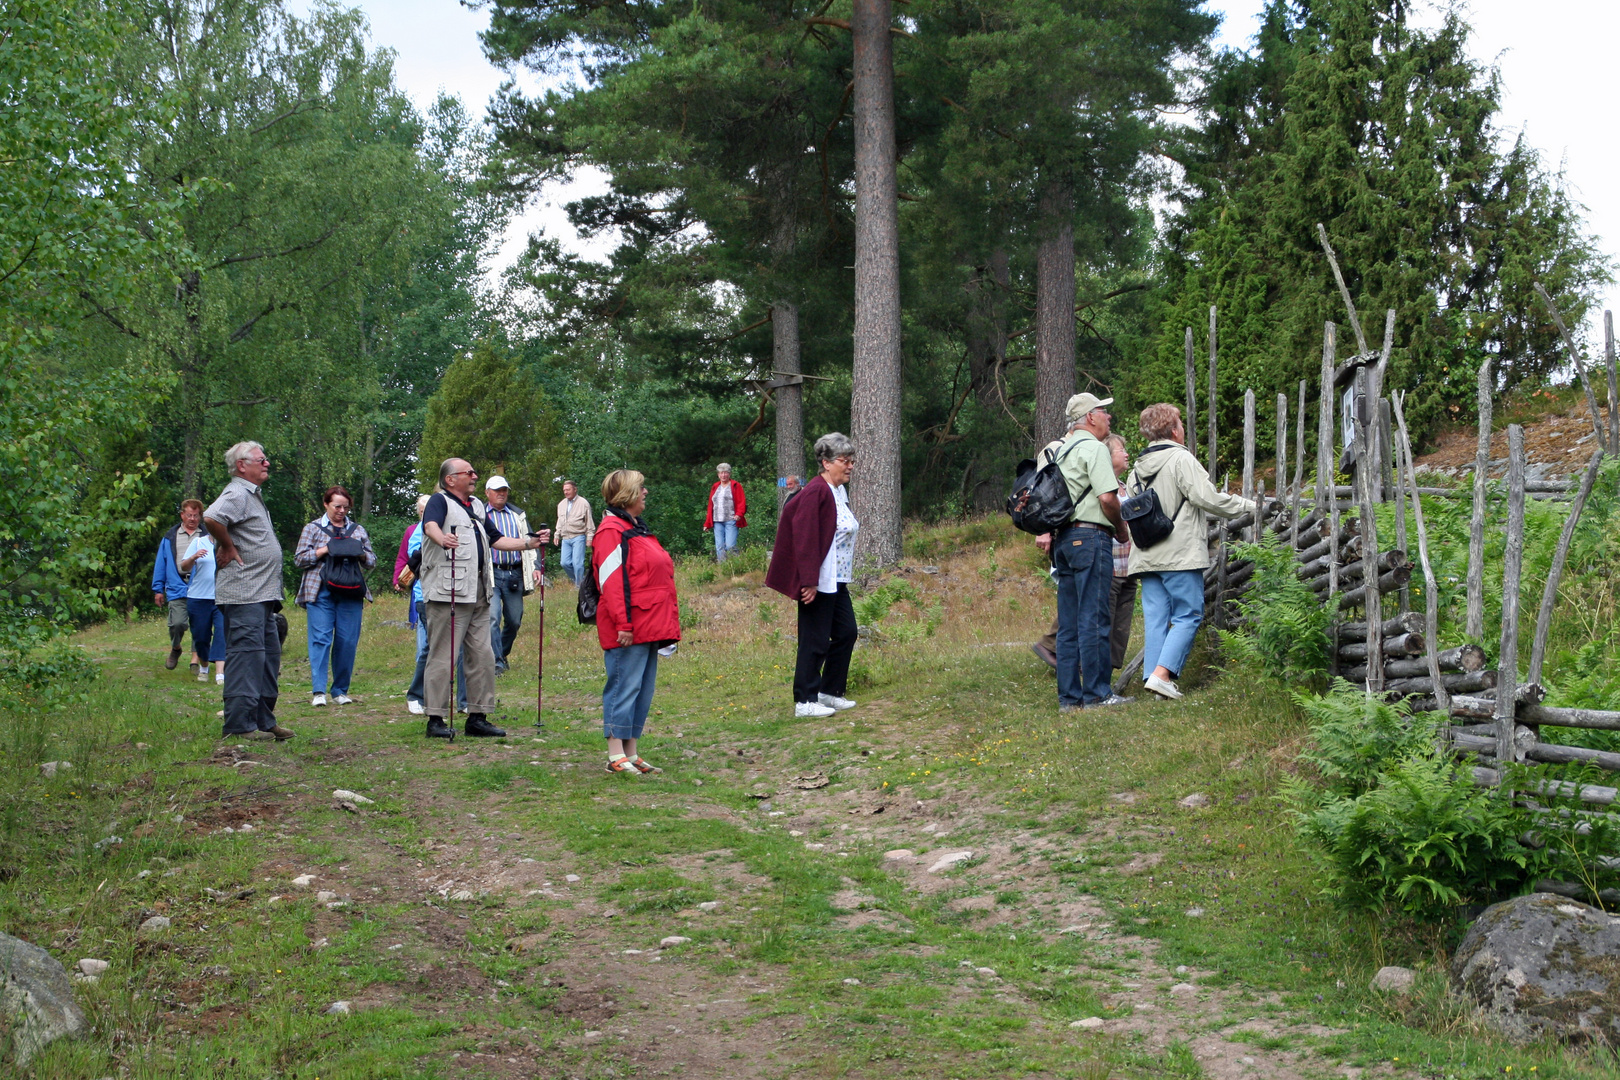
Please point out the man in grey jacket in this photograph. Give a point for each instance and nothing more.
(247, 590)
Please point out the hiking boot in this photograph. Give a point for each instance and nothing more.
(477, 727)
(1047, 656)
(281, 733)
(174, 659)
(438, 729)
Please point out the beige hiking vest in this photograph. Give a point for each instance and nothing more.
(439, 571)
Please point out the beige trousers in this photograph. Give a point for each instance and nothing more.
(438, 680)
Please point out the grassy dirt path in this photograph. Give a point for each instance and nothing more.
(949, 881)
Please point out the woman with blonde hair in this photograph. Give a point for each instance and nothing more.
(637, 615)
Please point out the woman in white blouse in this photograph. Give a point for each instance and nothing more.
(813, 562)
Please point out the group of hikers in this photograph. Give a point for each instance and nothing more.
(468, 563)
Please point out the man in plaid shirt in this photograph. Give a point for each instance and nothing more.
(515, 573)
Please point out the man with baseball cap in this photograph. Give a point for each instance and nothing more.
(1083, 557)
(515, 573)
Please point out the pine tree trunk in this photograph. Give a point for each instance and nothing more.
(986, 342)
(789, 399)
(1054, 314)
(875, 397)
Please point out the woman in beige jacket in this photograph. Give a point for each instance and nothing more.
(1171, 572)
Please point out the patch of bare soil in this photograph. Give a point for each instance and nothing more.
(1555, 447)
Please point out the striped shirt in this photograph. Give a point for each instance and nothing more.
(506, 523)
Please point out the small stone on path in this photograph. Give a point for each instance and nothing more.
(345, 795)
(1089, 1023)
(674, 939)
(50, 768)
(325, 897)
(338, 1008)
(156, 924)
(571, 878)
(1197, 800)
(946, 862)
(92, 966)
(709, 905)
(852, 982)
(304, 881)
(1195, 912)
(462, 894)
(1183, 989)
(899, 855)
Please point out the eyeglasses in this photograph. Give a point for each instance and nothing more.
(462, 472)
(260, 461)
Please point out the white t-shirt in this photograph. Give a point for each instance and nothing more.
(839, 565)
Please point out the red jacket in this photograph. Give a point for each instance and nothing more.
(739, 503)
(654, 614)
(803, 538)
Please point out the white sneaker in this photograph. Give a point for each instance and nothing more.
(220, 678)
(837, 704)
(414, 707)
(343, 699)
(812, 708)
(318, 700)
(1163, 688)
(202, 676)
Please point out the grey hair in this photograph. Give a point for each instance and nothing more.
(722, 466)
(834, 444)
(240, 453)
(421, 504)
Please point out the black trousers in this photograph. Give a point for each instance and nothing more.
(826, 640)
(252, 666)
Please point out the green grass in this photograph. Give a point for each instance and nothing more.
(959, 722)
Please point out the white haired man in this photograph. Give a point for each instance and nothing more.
(248, 592)
(1083, 557)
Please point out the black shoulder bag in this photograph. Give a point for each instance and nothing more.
(344, 569)
(1148, 522)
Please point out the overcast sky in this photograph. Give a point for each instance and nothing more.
(1555, 57)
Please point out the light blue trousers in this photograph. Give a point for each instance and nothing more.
(1172, 609)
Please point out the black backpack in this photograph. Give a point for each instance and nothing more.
(1148, 522)
(343, 570)
(1040, 501)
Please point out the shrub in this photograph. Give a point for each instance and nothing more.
(1285, 624)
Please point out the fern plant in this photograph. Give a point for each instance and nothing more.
(1284, 623)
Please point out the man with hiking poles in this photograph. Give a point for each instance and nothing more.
(458, 583)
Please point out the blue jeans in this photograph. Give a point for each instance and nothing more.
(508, 603)
(725, 539)
(207, 629)
(1084, 563)
(627, 695)
(1172, 608)
(573, 558)
(334, 635)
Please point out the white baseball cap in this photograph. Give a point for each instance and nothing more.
(496, 483)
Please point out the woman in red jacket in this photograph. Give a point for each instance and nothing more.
(813, 563)
(636, 616)
(728, 512)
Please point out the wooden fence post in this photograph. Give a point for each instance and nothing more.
(1507, 660)
(1614, 390)
(1476, 524)
(1190, 428)
(1549, 592)
(1248, 458)
(1299, 467)
(1431, 602)
(1326, 501)
(1213, 424)
(1282, 447)
(1370, 478)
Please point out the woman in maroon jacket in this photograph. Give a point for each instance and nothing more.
(636, 616)
(813, 562)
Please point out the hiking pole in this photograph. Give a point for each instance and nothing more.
(540, 648)
(455, 653)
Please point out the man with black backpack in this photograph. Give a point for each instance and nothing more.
(334, 553)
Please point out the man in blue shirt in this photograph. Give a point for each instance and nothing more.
(169, 584)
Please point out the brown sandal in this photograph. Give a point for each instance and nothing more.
(621, 764)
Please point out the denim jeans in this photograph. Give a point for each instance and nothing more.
(573, 558)
(725, 539)
(627, 695)
(253, 649)
(508, 603)
(1084, 563)
(1172, 608)
(207, 629)
(334, 635)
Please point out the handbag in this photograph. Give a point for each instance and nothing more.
(343, 572)
(1040, 502)
(1144, 514)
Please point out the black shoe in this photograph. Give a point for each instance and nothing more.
(173, 660)
(477, 727)
(438, 729)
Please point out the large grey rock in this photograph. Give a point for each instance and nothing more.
(1542, 965)
(36, 1000)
